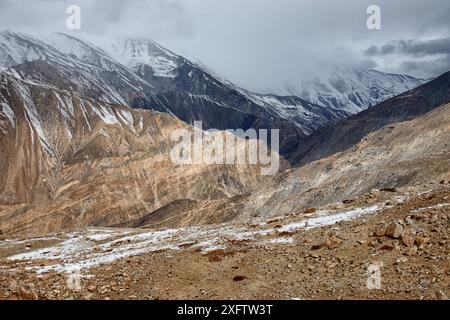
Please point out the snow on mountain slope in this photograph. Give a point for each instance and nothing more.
(170, 72)
(138, 53)
(341, 91)
(308, 116)
(352, 89)
(139, 65)
(142, 74)
(81, 50)
(351, 131)
(23, 92)
(72, 64)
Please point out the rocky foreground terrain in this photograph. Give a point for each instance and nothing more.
(324, 253)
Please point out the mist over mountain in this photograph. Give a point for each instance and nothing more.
(351, 89)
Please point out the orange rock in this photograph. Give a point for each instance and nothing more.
(332, 243)
(408, 237)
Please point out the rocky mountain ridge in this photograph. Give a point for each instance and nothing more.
(69, 161)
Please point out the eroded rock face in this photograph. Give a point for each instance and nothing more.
(69, 161)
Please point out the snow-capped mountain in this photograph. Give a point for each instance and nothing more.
(141, 54)
(348, 88)
(142, 74)
(311, 116)
(342, 136)
(67, 62)
(170, 72)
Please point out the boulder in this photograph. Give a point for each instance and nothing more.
(394, 230)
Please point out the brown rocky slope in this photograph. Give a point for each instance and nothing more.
(401, 154)
(70, 161)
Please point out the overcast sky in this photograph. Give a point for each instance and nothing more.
(258, 43)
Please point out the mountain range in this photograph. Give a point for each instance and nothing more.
(346, 133)
(348, 88)
(85, 137)
(142, 74)
(69, 161)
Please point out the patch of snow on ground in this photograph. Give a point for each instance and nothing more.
(324, 219)
(438, 206)
(92, 247)
(282, 240)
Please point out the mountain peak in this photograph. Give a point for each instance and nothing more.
(353, 89)
(134, 53)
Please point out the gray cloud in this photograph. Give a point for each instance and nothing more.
(426, 58)
(412, 47)
(260, 44)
